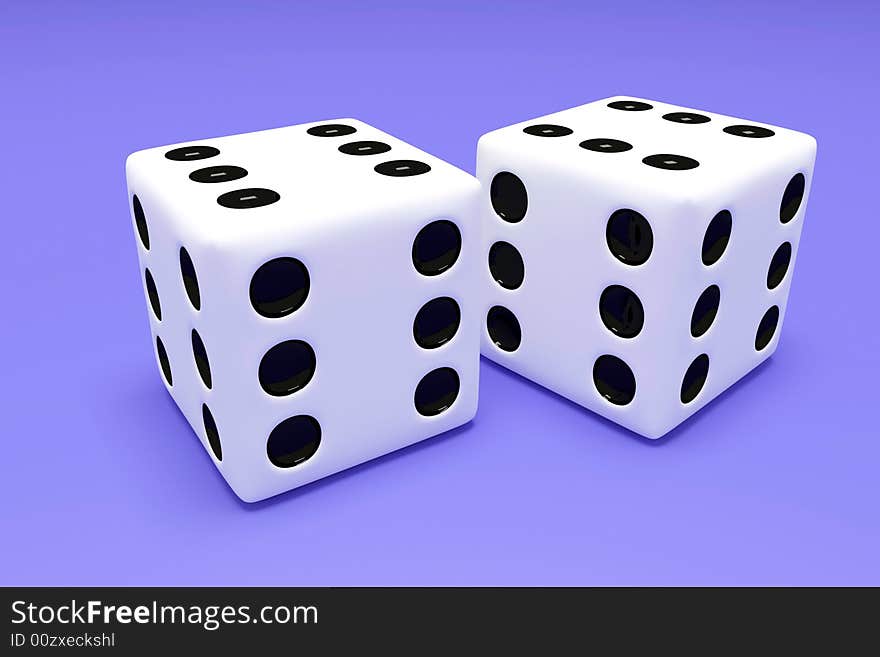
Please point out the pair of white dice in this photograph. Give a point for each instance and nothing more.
(318, 294)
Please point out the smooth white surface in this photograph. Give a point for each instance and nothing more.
(571, 194)
(353, 229)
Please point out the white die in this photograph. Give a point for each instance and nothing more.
(295, 370)
(563, 201)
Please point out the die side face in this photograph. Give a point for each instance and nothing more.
(331, 339)
(629, 272)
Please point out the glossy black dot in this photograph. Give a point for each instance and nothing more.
(402, 168)
(190, 280)
(614, 380)
(705, 310)
(671, 162)
(506, 265)
(717, 237)
(436, 322)
(153, 294)
(211, 432)
(792, 197)
(437, 391)
(629, 237)
(140, 222)
(246, 199)
(200, 354)
(192, 153)
(436, 247)
(218, 174)
(688, 118)
(294, 441)
(766, 328)
(287, 367)
(163, 360)
(508, 196)
(364, 148)
(331, 130)
(279, 287)
(606, 145)
(547, 130)
(751, 131)
(630, 105)
(779, 265)
(504, 329)
(694, 379)
(621, 311)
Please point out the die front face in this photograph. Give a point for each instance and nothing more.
(309, 296)
(638, 255)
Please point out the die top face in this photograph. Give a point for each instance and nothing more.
(290, 182)
(674, 152)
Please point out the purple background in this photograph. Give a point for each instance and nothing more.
(102, 481)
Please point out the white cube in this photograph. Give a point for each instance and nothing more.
(309, 294)
(638, 255)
